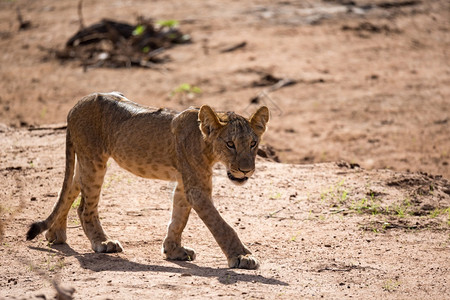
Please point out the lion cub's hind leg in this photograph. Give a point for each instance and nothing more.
(56, 234)
(92, 173)
(180, 213)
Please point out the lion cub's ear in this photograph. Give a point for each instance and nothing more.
(209, 121)
(259, 120)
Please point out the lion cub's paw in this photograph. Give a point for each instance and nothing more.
(181, 253)
(56, 236)
(246, 261)
(108, 246)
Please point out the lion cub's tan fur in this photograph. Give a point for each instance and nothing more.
(155, 143)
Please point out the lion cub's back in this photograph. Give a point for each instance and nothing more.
(139, 138)
(109, 120)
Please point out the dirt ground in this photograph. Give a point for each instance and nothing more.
(372, 87)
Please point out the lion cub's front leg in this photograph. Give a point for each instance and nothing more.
(180, 213)
(92, 172)
(237, 254)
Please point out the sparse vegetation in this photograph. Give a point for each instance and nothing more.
(275, 196)
(294, 237)
(441, 212)
(109, 181)
(138, 30)
(436, 212)
(43, 113)
(367, 205)
(391, 285)
(272, 214)
(77, 202)
(336, 195)
(168, 23)
(185, 91)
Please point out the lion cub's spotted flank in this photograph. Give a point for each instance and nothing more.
(159, 144)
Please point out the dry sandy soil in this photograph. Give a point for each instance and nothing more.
(372, 88)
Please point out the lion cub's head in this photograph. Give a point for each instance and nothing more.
(234, 139)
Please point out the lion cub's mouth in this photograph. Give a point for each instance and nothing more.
(235, 179)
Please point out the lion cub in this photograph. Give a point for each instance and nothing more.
(159, 144)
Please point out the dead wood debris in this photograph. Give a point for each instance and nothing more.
(117, 45)
(48, 127)
(397, 4)
(268, 152)
(376, 4)
(234, 47)
(344, 164)
(80, 14)
(273, 83)
(23, 25)
(367, 27)
(342, 268)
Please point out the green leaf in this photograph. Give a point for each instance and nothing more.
(184, 87)
(196, 90)
(168, 23)
(139, 30)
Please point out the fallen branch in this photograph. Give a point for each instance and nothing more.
(274, 84)
(264, 97)
(344, 268)
(49, 127)
(235, 47)
(80, 14)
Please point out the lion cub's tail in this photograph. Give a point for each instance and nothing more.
(35, 229)
(41, 226)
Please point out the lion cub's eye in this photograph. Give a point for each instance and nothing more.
(230, 145)
(253, 144)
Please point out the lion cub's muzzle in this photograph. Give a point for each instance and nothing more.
(240, 177)
(236, 180)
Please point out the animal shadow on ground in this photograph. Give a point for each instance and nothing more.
(98, 262)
